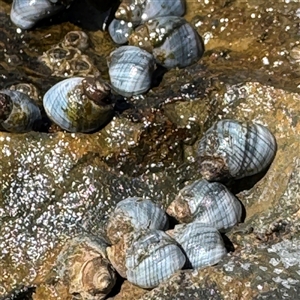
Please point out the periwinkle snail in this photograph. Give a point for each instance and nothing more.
(208, 202)
(84, 265)
(146, 257)
(132, 13)
(139, 11)
(79, 104)
(18, 113)
(130, 70)
(135, 213)
(25, 13)
(202, 243)
(234, 149)
(172, 41)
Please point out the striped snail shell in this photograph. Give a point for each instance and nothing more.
(84, 265)
(208, 202)
(120, 30)
(139, 11)
(25, 13)
(146, 257)
(18, 112)
(234, 149)
(130, 70)
(135, 213)
(79, 104)
(201, 243)
(172, 41)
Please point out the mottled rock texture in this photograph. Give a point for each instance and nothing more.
(56, 185)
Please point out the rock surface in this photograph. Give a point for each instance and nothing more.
(54, 186)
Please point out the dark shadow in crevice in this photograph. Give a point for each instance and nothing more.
(157, 76)
(227, 243)
(246, 183)
(117, 287)
(83, 14)
(20, 293)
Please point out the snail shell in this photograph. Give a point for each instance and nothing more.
(146, 257)
(139, 11)
(172, 41)
(25, 13)
(134, 214)
(30, 90)
(233, 149)
(18, 112)
(202, 244)
(130, 70)
(208, 202)
(83, 264)
(79, 104)
(120, 30)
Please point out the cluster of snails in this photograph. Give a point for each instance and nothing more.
(139, 245)
(142, 248)
(159, 37)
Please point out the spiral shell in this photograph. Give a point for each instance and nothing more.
(134, 214)
(130, 70)
(201, 243)
(208, 202)
(233, 149)
(172, 41)
(139, 11)
(18, 112)
(83, 264)
(146, 257)
(79, 104)
(25, 13)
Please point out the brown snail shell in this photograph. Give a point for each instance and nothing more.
(84, 265)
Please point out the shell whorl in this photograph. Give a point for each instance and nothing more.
(149, 257)
(135, 213)
(208, 202)
(233, 149)
(202, 244)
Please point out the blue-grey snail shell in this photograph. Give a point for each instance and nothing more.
(83, 264)
(120, 30)
(79, 104)
(135, 213)
(234, 149)
(139, 11)
(146, 257)
(132, 13)
(130, 70)
(18, 112)
(172, 41)
(202, 244)
(25, 13)
(208, 202)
